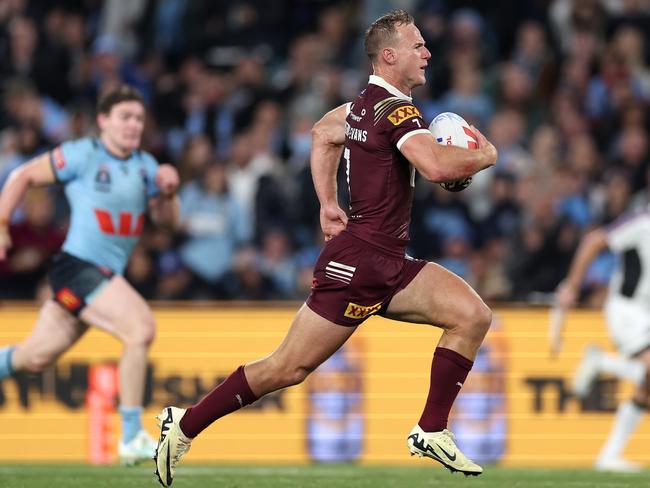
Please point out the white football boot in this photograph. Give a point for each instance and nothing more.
(617, 465)
(441, 447)
(587, 371)
(172, 445)
(141, 448)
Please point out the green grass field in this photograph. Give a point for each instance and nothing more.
(241, 476)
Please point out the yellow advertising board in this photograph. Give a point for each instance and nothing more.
(516, 403)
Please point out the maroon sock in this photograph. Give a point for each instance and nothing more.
(448, 372)
(230, 395)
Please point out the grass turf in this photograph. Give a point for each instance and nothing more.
(315, 476)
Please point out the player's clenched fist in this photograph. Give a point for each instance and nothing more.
(486, 145)
(167, 179)
(333, 220)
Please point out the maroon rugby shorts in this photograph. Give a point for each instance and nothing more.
(354, 279)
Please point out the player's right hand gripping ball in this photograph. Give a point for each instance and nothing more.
(458, 185)
(450, 129)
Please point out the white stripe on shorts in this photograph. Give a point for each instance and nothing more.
(337, 278)
(338, 271)
(338, 275)
(334, 264)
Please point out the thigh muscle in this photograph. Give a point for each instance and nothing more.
(435, 296)
(119, 310)
(55, 331)
(311, 340)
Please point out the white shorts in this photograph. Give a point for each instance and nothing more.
(628, 324)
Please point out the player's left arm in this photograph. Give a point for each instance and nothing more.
(328, 138)
(438, 163)
(590, 246)
(567, 292)
(164, 208)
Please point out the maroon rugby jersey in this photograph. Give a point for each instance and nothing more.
(380, 180)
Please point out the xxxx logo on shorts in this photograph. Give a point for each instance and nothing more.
(355, 311)
(401, 114)
(68, 299)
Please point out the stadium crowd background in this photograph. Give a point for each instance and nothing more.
(233, 87)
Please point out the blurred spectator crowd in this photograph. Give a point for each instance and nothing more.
(233, 88)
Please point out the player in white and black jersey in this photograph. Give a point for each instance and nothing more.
(627, 313)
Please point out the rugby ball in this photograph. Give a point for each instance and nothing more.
(450, 129)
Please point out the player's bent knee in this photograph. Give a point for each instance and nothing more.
(483, 317)
(483, 320)
(476, 320)
(148, 330)
(142, 332)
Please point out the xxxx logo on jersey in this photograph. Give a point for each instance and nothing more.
(401, 114)
(355, 311)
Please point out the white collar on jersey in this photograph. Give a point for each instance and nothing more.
(378, 80)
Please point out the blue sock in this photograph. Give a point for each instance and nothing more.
(131, 422)
(6, 368)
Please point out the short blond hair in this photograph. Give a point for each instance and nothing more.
(382, 31)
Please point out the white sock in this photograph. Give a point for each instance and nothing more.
(624, 368)
(627, 418)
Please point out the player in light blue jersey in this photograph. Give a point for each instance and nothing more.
(110, 184)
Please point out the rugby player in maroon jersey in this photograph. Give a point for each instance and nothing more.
(363, 269)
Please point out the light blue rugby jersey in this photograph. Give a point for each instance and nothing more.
(108, 199)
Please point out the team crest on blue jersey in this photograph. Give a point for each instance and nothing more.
(103, 179)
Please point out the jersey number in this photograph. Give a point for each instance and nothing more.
(346, 156)
(126, 227)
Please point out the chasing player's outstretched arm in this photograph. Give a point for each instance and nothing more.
(37, 172)
(439, 163)
(567, 292)
(590, 246)
(328, 137)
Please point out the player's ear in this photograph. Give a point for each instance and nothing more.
(389, 55)
(101, 121)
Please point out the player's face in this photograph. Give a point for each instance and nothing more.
(412, 55)
(122, 127)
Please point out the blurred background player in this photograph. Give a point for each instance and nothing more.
(109, 184)
(335, 420)
(479, 417)
(363, 269)
(627, 312)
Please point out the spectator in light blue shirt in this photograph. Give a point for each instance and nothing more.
(214, 224)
